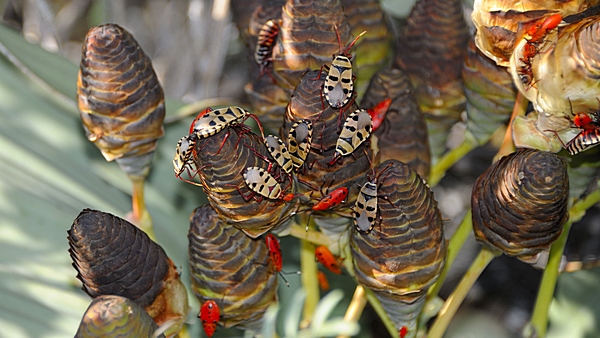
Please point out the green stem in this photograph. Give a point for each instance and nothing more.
(448, 160)
(315, 237)
(308, 265)
(356, 307)
(454, 246)
(460, 292)
(387, 322)
(539, 319)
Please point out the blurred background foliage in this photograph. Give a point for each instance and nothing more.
(49, 172)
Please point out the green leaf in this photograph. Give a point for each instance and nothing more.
(50, 172)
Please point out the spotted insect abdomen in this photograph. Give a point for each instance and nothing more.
(355, 131)
(216, 120)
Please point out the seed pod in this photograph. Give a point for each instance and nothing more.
(490, 94)
(222, 159)
(431, 52)
(242, 281)
(269, 101)
(394, 139)
(405, 251)
(497, 22)
(114, 257)
(564, 81)
(520, 203)
(307, 38)
(326, 127)
(115, 316)
(373, 49)
(120, 100)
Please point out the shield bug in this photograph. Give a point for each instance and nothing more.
(279, 152)
(210, 315)
(209, 122)
(263, 183)
(327, 259)
(264, 45)
(338, 86)
(183, 155)
(585, 139)
(300, 138)
(378, 112)
(365, 209)
(356, 130)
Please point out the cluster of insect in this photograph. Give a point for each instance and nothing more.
(338, 92)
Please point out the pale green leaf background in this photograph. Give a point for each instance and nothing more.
(49, 172)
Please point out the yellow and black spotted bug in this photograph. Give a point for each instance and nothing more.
(183, 160)
(264, 45)
(263, 183)
(300, 138)
(356, 130)
(279, 152)
(338, 87)
(210, 122)
(585, 139)
(365, 208)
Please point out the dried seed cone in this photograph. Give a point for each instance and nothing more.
(520, 203)
(405, 252)
(307, 38)
(120, 100)
(232, 269)
(221, 174)
(114, 257)
(267, 98)
(115, 316)
(326, 125)
(431, 51)
(394, 139)
(490, 93)
(374, 49)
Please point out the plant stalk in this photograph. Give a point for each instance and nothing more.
(356, 307)
(454, 246)
(453, 302)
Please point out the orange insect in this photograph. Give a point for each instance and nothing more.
(323, 282)
(379, 111)
(332, 199)
(325, 257)
(541, 28)
(210, 315)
